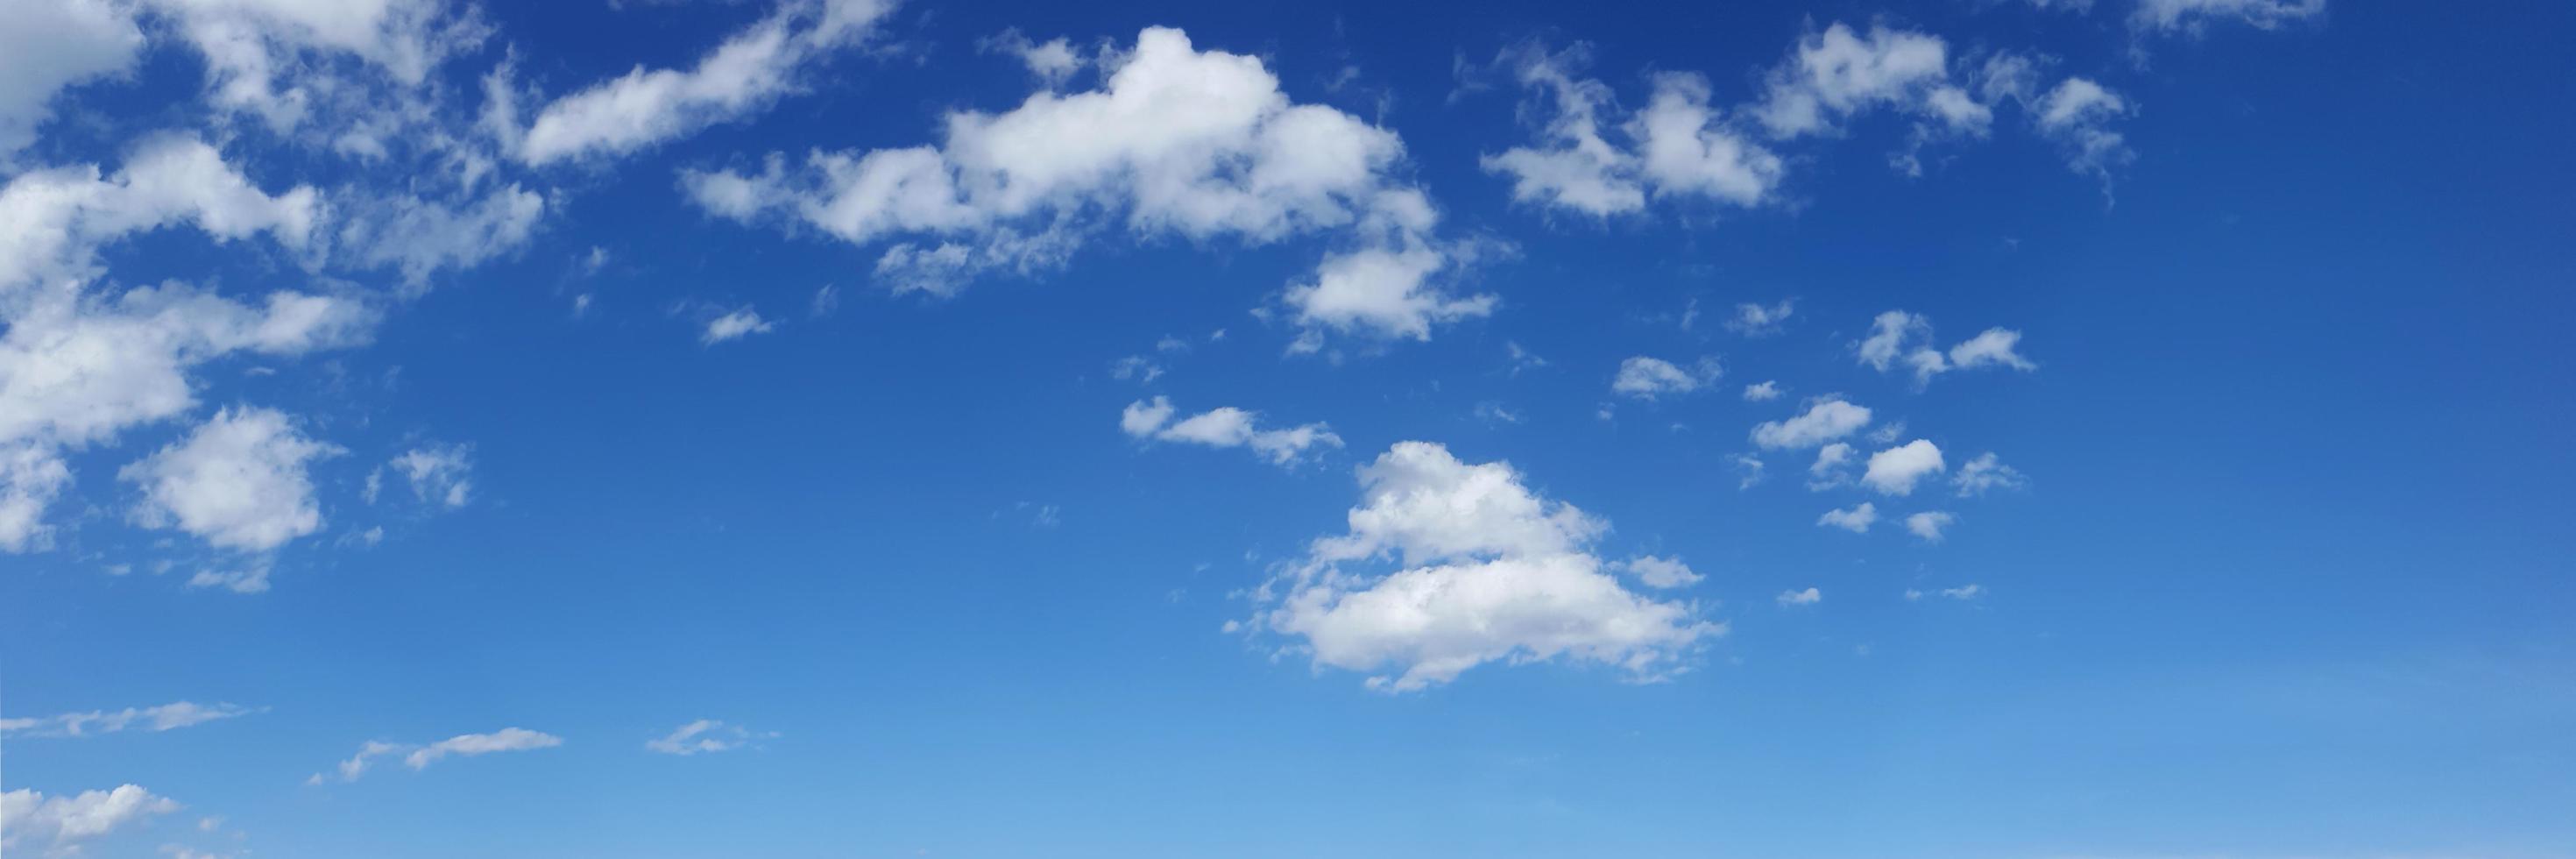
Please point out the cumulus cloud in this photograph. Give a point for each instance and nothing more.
(1894, 471)
(1810, 596)
(1657, 572)
(1897, 337)
(1831, 468)
(1841, 72)
(1825, 420)
(1678, 146)
(1176, 142)
(61, 824)
(237, 482)
(751, 69)
(1225, 427)
(1762, 392)
(47, 45)
(734, 325)
(165, 717)
(1930, 524)
(704, 736)
(1647, 378)
(1856, 520)
(1983, 474)
(1490, 570)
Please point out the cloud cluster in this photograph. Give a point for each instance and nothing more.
(1175, 142)
(1897, 337)
(1489, 571)
(62, 823)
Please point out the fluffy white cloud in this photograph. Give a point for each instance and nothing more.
(1894, 471)
(238, 481)
(1810, 596)
(179, 714)
(1176, 142)
(1929, 525)
(287, 61)
(735, 325)
(1826, 420)
(1841, 72)
(1647, 378)
(751, 69)
(2078, 114)
(1678, 146)
(1490, 571)
(2192, 15)
(1856, 520)
(47, 45)
(62, 823)
(439, 474)
(1984, 473)
(1225, 427)
(1657, 572)
(704, 736)
(1897, 336)
(1762, 392)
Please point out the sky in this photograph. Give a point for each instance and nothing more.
(849, 428)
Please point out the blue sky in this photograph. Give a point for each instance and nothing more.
(1983, 428)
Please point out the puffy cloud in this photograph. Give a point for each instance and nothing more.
(1762, 392)
(1841, 72)
(2191, 16)
(1929, 525)
(1176, 142)
(747, 72)
(734, 325)
(1897, 336)
(1657, 572)
(438, 474)
(1676, 147)
(2077, 114)
(47, 45)
(1225, 427)
(53, 221)
(62, 823)
(1810, 596)
(238, 481)
(1986, 472)
(287, 60)
(1824, 421)
(1053, 61)
(1856, 520)
(166, 717)
(1490, 571)
(1895, 470)
(1754, 320)
(704, 736)
(1647, 378)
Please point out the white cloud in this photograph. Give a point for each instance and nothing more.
(1177, 142)
(47, 45)
(1762, 392)
(1929, 525)
(1897, 335)
(1826, 420)
(166, 717)
(1856, 520)
(438, 473)
(1754, 320)
(62, 823)
(1751, 466)
(1895, 470)
(1810, 596)
(1052, 62)
(1225, 427)
(1985, 473)
(751, 69)
(734, 325)
(1840, 73)
(238, 481)
(1657, 572)
(1676, 147)
(2077, 115)
(1491, 571)
(2192, 15)
(421, 756)
(1831, 467)
(1964, 592)
(1646, 378)
(704, 736)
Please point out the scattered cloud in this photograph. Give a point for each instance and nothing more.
(61, 824)
(1930, 525)
(1985, 473)
(438, 474)
(1761, 392)
(1647, 378)
(165, 717)
(237, 482)
(1856, 520)
(1825, 420)
(1894, 471)
(421, 756)
(1658, 572)
(705, 736)
(1677, 147)
(1756, 320)
(1890, 334)
(1225, 427)
(734, 325)
(1810, 596)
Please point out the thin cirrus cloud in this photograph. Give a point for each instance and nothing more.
(705, 736)
(171, 716)
(420, 757)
